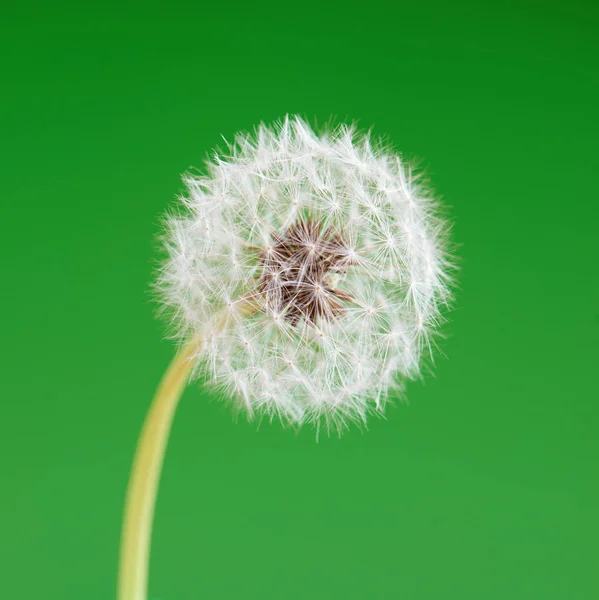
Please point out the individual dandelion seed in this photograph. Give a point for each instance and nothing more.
(305, 277)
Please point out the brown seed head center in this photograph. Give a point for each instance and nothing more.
(296, 268)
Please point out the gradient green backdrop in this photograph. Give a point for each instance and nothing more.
(484, 486)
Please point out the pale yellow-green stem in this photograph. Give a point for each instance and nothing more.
(145, 475)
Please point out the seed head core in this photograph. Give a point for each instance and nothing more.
(296, 270)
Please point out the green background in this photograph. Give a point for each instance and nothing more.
(484, 486)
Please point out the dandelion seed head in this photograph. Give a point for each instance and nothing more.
(341, 249)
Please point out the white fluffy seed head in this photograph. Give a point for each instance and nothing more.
(342, 253)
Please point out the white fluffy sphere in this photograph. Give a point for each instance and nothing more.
(338, 251)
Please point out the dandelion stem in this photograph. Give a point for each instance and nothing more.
(147, 464)
(145, 475)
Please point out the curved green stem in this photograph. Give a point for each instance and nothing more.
(145, 475)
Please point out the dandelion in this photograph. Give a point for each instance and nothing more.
(305, 277)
